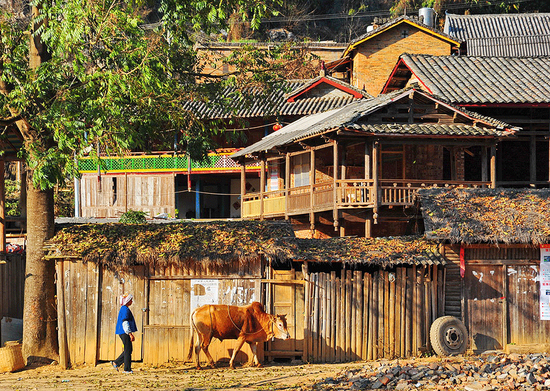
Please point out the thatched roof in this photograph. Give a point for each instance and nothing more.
(121, 245)
(487, 215)
(359, 251)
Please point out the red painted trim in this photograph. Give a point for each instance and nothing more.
(355, 94)
(395, 68)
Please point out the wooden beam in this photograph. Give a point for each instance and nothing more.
(262, 187)
(335, 184)
(287, 183)
(493, 167)
(375, 147)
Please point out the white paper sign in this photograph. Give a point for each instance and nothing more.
(545, 282)
(204, 292)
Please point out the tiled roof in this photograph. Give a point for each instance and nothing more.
(349, 117)
(385, 252)
(487, 215)
(402, 19)
(482, 80)
(502, 34)
(256, 103)
(523, 46)
(464, 27)
(342, 85)
(426, 129)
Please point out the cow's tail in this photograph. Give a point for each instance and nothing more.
(191, 344)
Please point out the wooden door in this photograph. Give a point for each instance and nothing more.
(485, 304)
(523, 298)
(114, 284)
(288, 299)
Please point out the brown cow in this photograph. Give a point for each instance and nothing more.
(249, 324)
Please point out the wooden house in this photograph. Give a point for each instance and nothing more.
(171, 183)
(170, 269)
(492, 240)
(515, 90)
(368, 60)
(355, 170)
(385, 286)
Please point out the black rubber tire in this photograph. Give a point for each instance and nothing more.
(448, 336)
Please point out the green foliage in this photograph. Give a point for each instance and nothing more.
(133, 217)
(13, 189)
(109, 81)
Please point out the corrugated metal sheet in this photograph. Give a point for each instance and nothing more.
(483, 80)
(520, 46)
(465, 27)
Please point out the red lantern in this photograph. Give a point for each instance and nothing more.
(277, 126)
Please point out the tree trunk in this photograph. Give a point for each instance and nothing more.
(39, 314)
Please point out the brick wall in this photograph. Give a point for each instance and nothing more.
(376, 57)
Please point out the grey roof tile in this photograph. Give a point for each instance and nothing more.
(483, 80)
(258, 103)
(465, 27)
(516, 35)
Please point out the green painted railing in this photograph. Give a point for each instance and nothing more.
(160, 163)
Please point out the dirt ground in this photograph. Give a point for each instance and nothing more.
(174, 377)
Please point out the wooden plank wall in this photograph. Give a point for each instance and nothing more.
(370, 315)
(154, 193)
(167, 329)
(12, 286)
(91, 305)
(503, 297)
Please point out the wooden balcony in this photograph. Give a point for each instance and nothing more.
(350, 193)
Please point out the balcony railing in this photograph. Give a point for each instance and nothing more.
(350, 193)
(218, 161)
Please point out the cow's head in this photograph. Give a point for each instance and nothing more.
(280, 329)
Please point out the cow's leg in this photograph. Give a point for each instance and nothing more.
(240, 343)
(198, 349)
(204, 344)
(254, 348)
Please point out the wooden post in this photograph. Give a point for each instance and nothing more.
(532, 159)
(359, 322)
(353, 325)
(333, 315)
(504, 308)
(262, 187)
(311, 190)
(375, 314)
(375, 146)
(334, 186)
(61, 323)
(392, 282)
(287, 183)
(368, 173)
(243, 185)
(305, 275)
(484, 165)
(3, 208)
(493, 167)
(349, 316)
(338, 325)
